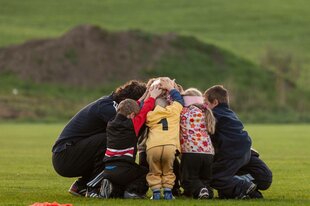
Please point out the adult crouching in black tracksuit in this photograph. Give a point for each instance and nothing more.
(80, 148)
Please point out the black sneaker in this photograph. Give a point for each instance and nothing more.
(211, 193)
(92, 192)
(256, 195)
(251, 188)
(77, 189)
(106, 188)
(176, 192)
(203, 194)
(248, 192)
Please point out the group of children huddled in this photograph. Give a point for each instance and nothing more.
(169, 126)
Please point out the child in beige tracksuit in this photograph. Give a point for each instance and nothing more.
(163, 141)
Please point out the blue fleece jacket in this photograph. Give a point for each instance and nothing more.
(229, 140)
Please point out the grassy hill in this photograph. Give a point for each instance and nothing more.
(248, 28)
(39, 81)
(222, 43)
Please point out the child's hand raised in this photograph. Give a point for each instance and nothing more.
(148, 88)
(167, 83)
(155, 91)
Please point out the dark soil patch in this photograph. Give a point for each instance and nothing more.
(85, 56)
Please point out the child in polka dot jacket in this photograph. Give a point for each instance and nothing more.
(197, 122)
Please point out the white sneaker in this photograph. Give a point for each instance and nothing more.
(131, 195)
(204, 193)
(106, 188)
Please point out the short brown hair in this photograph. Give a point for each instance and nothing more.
(128, 106)
(217, 92)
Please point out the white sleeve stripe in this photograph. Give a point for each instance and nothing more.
(120, 150)
(115, 105)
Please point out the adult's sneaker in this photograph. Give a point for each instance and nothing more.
(256, 195)
(92, 192)
(204, 193)
(248, 192)
(132, 195)
(176, 192)
(77, 189)
(106, 188)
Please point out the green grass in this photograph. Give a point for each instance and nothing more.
(45, 102)
(27, 175)
(246, 27)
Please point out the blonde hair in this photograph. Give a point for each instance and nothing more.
(179, 87)
(210, 120)
(192, 92)
(209, 117)
(150, 82)
(127, 106)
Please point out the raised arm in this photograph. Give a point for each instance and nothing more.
(176, 96)
(168, 84)
(148, 105)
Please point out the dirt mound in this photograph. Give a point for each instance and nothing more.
(86, 55)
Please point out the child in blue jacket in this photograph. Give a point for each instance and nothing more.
(237, 170)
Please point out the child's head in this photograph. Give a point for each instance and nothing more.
(133, 90)
(192, 92)
(156, 83)
(128, 108)
(150, 82)
(193, 96)
(215, 95)
(176, 86)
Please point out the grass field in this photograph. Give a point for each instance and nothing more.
(27, 175)
(247, 27)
